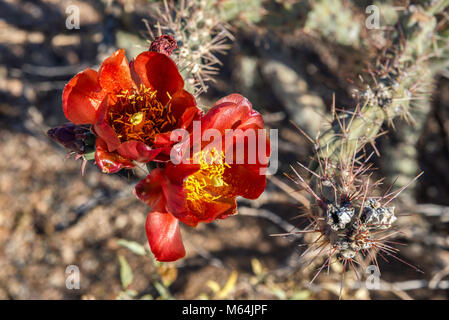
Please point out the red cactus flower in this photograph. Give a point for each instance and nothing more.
(205, 188)
(132, 107)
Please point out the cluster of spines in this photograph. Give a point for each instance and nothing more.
(201, 35)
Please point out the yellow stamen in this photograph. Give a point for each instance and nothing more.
(136, 118)
(207, 184)
(138, 115)
(217, 182)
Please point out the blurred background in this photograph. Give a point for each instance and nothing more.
(289, 58)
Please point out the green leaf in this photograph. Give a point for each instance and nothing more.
(126, 273)
(133, 246)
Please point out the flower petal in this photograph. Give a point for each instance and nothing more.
(245, 181)
(103, 130)
(114, 73)
(173, 151)
(164, 236)
(180, 102)
(109, 162)
(149, 190)
(232, 112)
(235, 98)
(176, 174)
(206, 211)
(251, 149)
(82, 97)
(159, 72)
(138, 151)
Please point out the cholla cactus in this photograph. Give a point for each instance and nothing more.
(201, 34)
(201, 29)
(416, 35)
(351, 219)
(247, 12)
(400, 79)
(334, 21)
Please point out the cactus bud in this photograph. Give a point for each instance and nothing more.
(76, 138)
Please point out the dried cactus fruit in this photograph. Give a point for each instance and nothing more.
(338, 217)
(377, 216)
